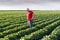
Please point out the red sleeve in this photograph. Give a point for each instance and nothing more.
(32, 12)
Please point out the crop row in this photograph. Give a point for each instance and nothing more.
(17, 25)
(40, 33)
(29, 30)
(55, 35)
(15, 30)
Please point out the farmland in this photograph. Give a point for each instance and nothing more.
(13, 25)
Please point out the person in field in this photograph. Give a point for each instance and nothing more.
(30, 16)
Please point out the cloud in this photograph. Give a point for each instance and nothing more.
(32, 4)
(16, 2)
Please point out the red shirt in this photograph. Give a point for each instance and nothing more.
(29, 15)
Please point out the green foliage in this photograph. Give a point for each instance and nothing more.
(13, 25)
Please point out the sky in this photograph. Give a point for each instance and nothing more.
(31, 4)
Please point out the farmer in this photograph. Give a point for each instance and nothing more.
(30, 16)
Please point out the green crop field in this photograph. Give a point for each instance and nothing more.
(13, 25)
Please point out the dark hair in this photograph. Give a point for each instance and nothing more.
(27, 8)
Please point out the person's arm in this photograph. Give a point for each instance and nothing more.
(33, 15)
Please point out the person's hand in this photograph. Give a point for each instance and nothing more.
(32, 18)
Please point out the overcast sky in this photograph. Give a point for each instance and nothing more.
(32, 4)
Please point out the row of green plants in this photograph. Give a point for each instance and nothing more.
(29, 30)
(42, 32)
(15, 29)
(16, 25)
(12, 21)
(55, 35)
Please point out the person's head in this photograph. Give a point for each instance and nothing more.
(27, 9)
